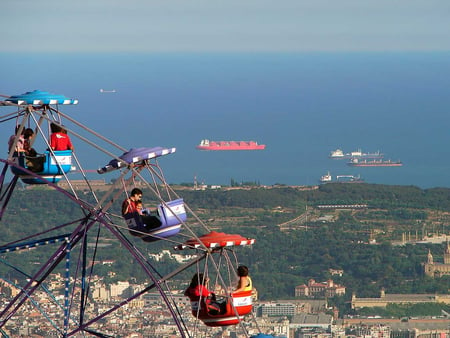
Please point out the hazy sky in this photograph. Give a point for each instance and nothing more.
(224, 26)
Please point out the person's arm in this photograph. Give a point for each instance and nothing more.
(204, 292)
(53, 141)
(20, 145)
(128, 207)
(69, 145)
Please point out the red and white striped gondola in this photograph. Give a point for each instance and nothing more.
(238, 304)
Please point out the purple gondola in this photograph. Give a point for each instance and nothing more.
(171, 214)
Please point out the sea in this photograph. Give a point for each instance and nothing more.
(301, 106)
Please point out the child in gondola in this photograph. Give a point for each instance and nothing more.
(140, 208)
(129, 206)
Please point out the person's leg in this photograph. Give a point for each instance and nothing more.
(151, 222)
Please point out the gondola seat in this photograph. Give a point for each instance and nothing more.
(50, 166)
(237, 306)
(170, 215)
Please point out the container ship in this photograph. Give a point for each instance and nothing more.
(230, 145)
(374, 163)
(339, 154)
(327, 178)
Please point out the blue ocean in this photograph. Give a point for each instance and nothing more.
(301, 106)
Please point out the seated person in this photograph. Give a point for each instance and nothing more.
(28, 138)
(198, 290)
(129, 207)
(245, 282)
(59, 140)
(19, 143)
(34, 161)
(140, 208)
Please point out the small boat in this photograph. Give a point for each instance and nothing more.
(338, 154)
(326, 178)
(349, 179)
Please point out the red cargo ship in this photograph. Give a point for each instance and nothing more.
(230, 145)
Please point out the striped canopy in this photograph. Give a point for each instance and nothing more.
(216, 240)
(135, 155)
(38, 97)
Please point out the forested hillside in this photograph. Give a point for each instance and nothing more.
(357, 241)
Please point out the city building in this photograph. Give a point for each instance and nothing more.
(101, 293)
(311, 323)
(288, 307)
(386, 299)
(315, 289)
(275, 309)
(118, 288)
(375, 330)
(433, 269)
(395, 327)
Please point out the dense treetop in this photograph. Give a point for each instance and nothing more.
(284, 257)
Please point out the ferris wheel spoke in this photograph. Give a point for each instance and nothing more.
(97, 225)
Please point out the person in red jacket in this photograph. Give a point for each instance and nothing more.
(130, 204)
(198, 292)
(59, 140)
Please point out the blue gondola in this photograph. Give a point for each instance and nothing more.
(50, 166)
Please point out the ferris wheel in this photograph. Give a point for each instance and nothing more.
(73, 247)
